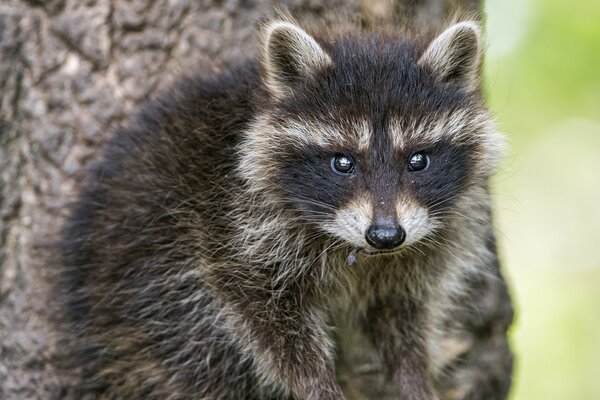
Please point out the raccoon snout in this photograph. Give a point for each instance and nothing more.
(385, 236)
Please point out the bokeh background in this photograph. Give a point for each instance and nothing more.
(543, 82)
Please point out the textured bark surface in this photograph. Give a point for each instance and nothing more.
(72, 70)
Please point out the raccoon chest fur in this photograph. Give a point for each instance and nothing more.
(244, 222)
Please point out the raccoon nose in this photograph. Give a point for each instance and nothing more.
(385, 237)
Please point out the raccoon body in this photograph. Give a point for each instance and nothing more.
(229, 231)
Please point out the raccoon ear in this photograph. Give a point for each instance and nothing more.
(455, 55)
(290, 55)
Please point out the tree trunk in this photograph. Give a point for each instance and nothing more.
(72, 70)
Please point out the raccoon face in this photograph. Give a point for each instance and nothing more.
(371, 139)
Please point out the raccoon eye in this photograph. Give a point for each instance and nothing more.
(342, 164)
(418, 162)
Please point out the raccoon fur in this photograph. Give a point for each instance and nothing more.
(225, 235)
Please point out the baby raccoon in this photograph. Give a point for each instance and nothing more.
(225, 234)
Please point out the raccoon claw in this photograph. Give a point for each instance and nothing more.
(352, 257)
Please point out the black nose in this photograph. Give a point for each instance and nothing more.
(385, 237)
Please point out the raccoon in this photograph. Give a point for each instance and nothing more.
(229, 232)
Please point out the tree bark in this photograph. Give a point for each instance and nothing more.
(70, 72)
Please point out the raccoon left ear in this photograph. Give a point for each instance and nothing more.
(455, 55)
(290, 55)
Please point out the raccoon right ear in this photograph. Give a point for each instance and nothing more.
(290, 55)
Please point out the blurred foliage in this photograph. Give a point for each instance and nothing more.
(543, 82)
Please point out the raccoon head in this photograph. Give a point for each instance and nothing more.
(372, 139)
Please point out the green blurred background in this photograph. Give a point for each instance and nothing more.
(543, 83)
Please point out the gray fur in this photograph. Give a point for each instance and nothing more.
(193, 267)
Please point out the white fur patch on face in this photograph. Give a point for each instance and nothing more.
(451, 127)
(414, 219)
(397, 134)
(356, 134)
(458, 126)
(352, 221)
(266, 137)
(265, 132)
(363, 132)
